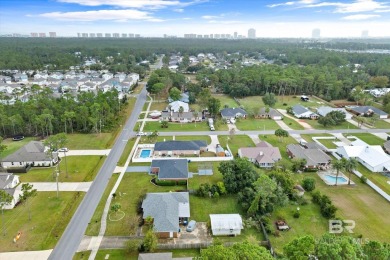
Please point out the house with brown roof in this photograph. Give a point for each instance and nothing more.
(263, 155)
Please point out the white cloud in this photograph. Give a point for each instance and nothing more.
(150, 4)
(209, 17)
(116, 15)
(225, 22)
(358, 17)
(282, 4)
(178, 10)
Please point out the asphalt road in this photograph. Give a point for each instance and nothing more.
(74, 232)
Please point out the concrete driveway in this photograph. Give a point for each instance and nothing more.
(213, 145)
(86, 152)
(138, 169)
(31, 255)
(63, 186)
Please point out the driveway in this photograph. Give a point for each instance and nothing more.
(301, 122)
(138, 169)
(30, 255)
(213, 145)
(86, 152)
(63, 186)
(199, 235)
(255, 139)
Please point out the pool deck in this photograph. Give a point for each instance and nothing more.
(323, 174)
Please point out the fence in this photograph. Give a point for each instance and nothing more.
(199, 245)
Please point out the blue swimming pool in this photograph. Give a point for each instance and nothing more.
(332, 180)
(145, 153)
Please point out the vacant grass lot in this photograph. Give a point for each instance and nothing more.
(294, 100)
(80, 168)
(226, 101)
(89, 141)
(181, 127)
(49, 215)
(316, 125)
(235, 142)
(13, 146)
(253, 103)
(256, 124)
(381, 124)
(368, 138)
(159, 106)
(145, 140)
(94, 225)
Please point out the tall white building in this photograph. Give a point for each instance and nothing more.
(251, 33)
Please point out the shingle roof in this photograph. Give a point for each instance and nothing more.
(386, 145)
(165, 209)
(313, 156)
(366, 109)
(33, 151)
(261, 154)
(171, 168)
(155, 256)
(232, 112)
(299, 109)
(272, 112)
(5, 179)
(180, 145)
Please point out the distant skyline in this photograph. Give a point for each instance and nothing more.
(285, 18)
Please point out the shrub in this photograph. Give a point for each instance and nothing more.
(133, 245)
(363, 179)
(309, 184)
(328, 210)
(297, 214)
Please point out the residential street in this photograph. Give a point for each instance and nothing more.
(73, 234)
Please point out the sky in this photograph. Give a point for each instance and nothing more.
(270, 18)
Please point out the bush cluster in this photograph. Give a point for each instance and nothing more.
(328, 210)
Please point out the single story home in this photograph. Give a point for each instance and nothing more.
(184, 117)
(263, 155)
(32, 154)
(370, 156)
(269, 113)
(170, 169)
(8, 183)
(226, 224)
(168, 211)
(184, 97)
(176, 148)
(367, 111)
(175, 106)
(324, 110)
(386, 147)
(315, 158)
(300, 111)
(229, 113)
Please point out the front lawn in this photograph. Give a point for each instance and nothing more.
(50, 216)
(80, 168)
(181, 127)
(256, 124)
(13, 146)
(316, 125)
(292, 123)
(368, 138)
(126, 152)
(159, 106)
(89, 141)
(235, 142)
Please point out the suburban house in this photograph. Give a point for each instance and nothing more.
(269, 113)
(20, 77)
(184, 117)
(170, 169)
(160, 256)
(300, 111)
(370, 156)
(386, 147)
(175, 106)
(229, 113)
(324, 110)
(168, 211)
(368, 111)
(176, 148)
(32, 154)
(315, 158)
(226, 224)
(263, 155)
(184, 97)
(8, 182)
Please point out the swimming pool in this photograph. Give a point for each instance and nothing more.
(145, 153)
(332, 180)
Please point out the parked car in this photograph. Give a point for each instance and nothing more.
(141, 134)
(18, 138)
(191, 226)
(64, 149)
(212, 128)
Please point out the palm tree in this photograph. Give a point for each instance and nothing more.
(196, 114)
(350, 166)
(337, 165)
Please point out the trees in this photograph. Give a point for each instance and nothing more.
(269, 99)
(116, 207)
(150, 241)
(350, 165)
(338, 165)
(27, 193)
(3, 147)
(214, 105)
(241, 250)
(281, 133)
(5, 199)
(309, 184)
(298, 164)
(300, 248)
(175, 93)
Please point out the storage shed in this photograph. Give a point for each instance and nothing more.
(226, 224)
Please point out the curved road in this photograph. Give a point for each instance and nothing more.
(74, 232)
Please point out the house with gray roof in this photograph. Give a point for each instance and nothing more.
(179, 148)
(185, 117)
(300, 111)
(368, 111)
(269, 113)
(386, 147)
(160, 256)
(168, 211)
(32, 154)
(8, 183)
(324, 110)
(315, 158)
(170, 169)
(263, 155)
(229, 113)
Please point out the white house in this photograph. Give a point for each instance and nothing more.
(107, 76)
(370, 156)
(324, 110)
(175, 106)
(300, 111)
(135, 76)
(226, 224)
(8, 182)
(20, 77)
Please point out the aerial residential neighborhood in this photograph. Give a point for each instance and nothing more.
(210, 146)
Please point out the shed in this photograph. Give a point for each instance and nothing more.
(226, 224)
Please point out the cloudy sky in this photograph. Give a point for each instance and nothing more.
(270, 18)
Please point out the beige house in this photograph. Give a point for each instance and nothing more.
(263, 155)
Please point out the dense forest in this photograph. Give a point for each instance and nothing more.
(44, 115)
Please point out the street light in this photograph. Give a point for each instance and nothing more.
(57, 174)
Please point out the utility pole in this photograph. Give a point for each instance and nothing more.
(57, 174)
(100, 120)
(66, 165)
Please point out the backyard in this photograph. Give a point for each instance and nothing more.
(80, 168)
(13, 146)
(226, 100)
(289, 101)
(376, 177)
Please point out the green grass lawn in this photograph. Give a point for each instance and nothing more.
(120, 254)
(316, 125)
(126, 152)
(197, 180)
(368, 138)
(145, 140)
(253, 103)
(132, 186)
(49, 215)
(89, 141)
(294, 100)
(377, 178)
(256, 124)
(226, 100)
(13, 146)
(328, 143)
(80, 168)
(82, 255)
(159, 106)
(178, 127)
(381, 124)
(94, 225)
(292, 123)
(281, 144)
(235, 142)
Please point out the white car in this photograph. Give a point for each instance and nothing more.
(64, 149)
(141, 134)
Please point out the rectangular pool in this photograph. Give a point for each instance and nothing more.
(145, 153)
(332, 180)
